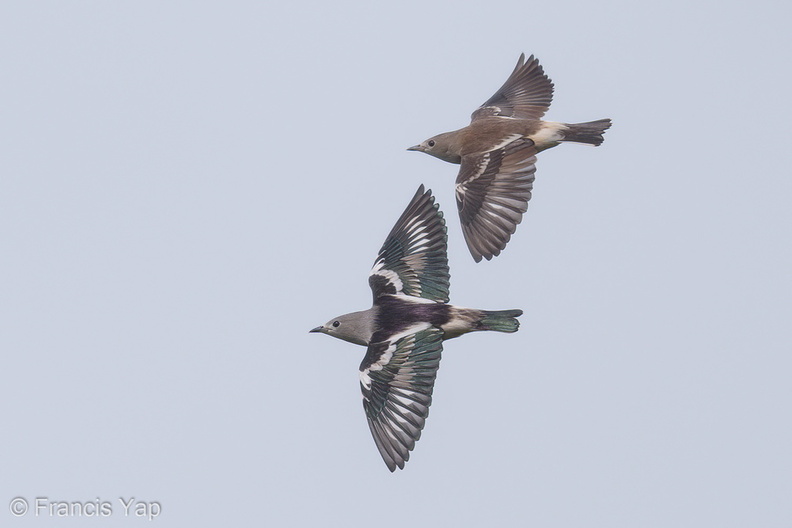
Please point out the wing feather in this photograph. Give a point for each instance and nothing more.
(492, 191)
(413, 260)
(397, 379)
(526, 94)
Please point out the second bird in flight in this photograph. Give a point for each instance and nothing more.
(497, 153)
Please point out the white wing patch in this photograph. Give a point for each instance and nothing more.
(385, 358)
(483, 162)
(506, 141)
(392, 276)
(418, 241)
(418, 300)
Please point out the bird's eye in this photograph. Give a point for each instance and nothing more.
(335, 324)
(431, 143)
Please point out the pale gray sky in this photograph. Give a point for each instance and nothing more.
(189, 187)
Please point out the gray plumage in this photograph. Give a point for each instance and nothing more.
(497, 154)
(405, 328)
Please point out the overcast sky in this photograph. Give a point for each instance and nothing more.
(188, 187)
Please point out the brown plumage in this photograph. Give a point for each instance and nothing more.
(497, 154)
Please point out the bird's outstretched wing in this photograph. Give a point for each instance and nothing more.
(526, 94)
(413, 260)
(397, 378)
(492, 192)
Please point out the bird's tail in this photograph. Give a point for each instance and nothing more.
(500, 321)
(589, 133)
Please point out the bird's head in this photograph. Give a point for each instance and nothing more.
(354, 327)
(441, 146)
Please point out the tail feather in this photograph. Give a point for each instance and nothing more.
(500, 321)
(589, 133)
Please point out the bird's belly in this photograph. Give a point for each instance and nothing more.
(550, 135)
(454, 329)
(460, 321)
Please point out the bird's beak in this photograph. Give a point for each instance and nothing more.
(319, 329)
(415, 147)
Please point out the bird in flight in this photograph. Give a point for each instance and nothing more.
(497, 155)
(405, 328)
